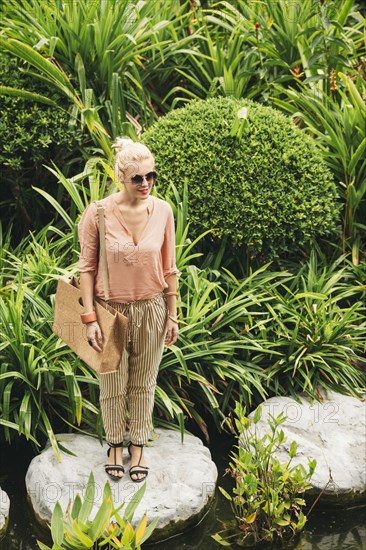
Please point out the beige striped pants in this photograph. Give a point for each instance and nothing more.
(130, 391)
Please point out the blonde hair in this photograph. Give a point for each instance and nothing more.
(128, 152)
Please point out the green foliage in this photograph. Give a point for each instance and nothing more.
(227, 64)
(315, 326)
(265, 187)
(122, 56)
(316, 37)
(247, 47)
(111, 59)
(32, 134)
(338, 121)
(267, 499)
(114, 62)
(74, 530)
(214, 360)
(358, 278)
(30, 130)
(42, 385)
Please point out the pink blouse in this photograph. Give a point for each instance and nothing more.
(135, 271)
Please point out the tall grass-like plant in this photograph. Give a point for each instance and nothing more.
(214, 361)
(227, 64)
(115, 60)
(250, 46)
(106, 57)
(38, 388)
(317, 330)
(314, 36)
(41, 385)
(338, 121)
(358, 278)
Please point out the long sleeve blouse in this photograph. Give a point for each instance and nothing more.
(136, 271)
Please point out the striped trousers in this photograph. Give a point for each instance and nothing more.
(130, 391)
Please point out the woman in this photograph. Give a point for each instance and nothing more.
(140, 247)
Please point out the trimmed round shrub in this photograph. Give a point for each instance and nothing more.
(269, 190)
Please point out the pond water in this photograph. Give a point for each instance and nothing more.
(325, 530)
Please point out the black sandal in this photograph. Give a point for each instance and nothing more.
(109, 467)
(140, 471)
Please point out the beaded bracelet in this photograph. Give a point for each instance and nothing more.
(172, 318)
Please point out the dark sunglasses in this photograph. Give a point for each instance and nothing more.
(150, 176)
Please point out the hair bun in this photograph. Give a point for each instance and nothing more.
(121, 143)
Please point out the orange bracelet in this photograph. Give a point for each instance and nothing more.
(88, 317)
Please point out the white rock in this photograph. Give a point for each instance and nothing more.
(334, 432)
(180, 484)
(4, 512)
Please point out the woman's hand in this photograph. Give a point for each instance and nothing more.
(171, 332)
(94, 335)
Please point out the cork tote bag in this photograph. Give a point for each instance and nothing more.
(68, 326)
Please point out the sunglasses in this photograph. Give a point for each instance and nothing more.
(150, 176)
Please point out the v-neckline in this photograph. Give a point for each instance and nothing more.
(118, 213)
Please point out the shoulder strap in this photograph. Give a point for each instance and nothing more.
(103, 253)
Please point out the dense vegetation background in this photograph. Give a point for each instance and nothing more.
(256, 114)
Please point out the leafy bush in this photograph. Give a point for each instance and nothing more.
(32, 133)
(75, 530)
(43, 387)
(113, 61)
(258, 179)
(267, 498)
(249, 46)
(315, 326)
(338, 121)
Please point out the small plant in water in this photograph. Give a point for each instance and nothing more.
(108, 529)
(267, 499)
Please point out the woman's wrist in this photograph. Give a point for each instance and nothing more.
(88, 317)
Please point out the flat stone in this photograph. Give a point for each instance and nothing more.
(180, 485)
(4, 512)
(333, 432)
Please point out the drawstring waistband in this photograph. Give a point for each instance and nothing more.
(132, 306)
(161, 294)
